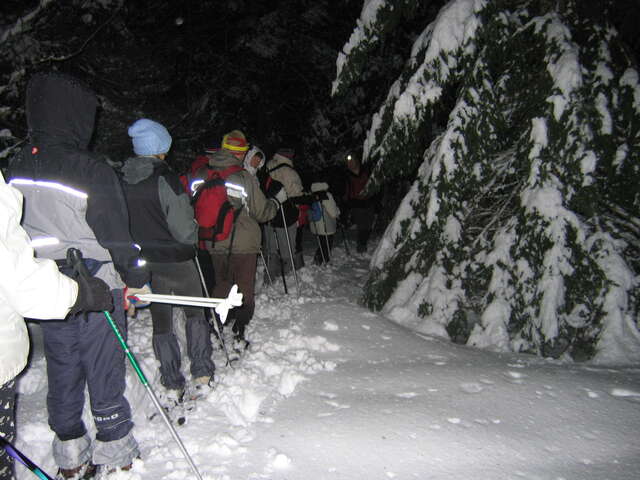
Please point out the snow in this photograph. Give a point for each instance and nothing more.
(630, 79)
(330, 390)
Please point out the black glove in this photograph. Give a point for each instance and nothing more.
(93, 296)
(321, 195)
(274, 187)
(306, 199)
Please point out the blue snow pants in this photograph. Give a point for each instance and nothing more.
(84, 351)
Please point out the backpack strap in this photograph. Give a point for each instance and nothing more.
(277, 167)
(217, 177)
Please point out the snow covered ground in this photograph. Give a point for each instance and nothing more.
(332, 391)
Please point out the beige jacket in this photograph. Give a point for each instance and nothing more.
(257, 209)
(288, 177)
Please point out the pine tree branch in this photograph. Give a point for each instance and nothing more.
(22, 21)
(85, 43)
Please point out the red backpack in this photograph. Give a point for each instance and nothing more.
(213, 211)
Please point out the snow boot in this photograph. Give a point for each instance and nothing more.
(201, 387)
(82, 472)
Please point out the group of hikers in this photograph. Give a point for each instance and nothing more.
(141, 228)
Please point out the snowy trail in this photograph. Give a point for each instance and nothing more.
(406, 407)
(330, 390)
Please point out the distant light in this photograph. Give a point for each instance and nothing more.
(348, 157)
(179, 21)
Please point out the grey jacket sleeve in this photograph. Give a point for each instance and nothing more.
(261, 209)
(178, 212)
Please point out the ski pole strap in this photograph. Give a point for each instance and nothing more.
(23, 459)
(92, 265)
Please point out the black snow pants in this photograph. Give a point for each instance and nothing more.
(179, 278)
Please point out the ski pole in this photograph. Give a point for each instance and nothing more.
(284, 281)
(344, 239)
(23, 459)
(326, 232)
(293, 266)
(214, 319)
(74, 258)
(320, 247)
(266, 267)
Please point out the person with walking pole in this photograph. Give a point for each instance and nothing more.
(235, 257)
(359, 203)
(324, 219)
(73, 198)
(78, 266)
(280, 169)
(286, 234)
(32, 288)
(162, 223)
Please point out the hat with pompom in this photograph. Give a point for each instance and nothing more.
(235, 141)
(149, 137)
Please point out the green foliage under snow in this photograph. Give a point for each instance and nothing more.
(521, 230)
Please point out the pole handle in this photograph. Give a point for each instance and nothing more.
(74, 259)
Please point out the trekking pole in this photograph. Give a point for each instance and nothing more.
(344, 239)
(266, 268)
(23, 459)
(320, 247)
(214, 324)
(284, 281)
(293, 266)
(74, 258)
(326, 232)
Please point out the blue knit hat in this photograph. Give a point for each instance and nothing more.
(149, 137)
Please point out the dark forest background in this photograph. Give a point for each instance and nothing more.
(204, 67)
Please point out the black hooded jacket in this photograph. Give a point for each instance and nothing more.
(61, 115)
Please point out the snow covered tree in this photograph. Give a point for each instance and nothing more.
(521, 122)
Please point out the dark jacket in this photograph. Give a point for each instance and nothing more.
(70, 193)
(160, 211)
(356, 184)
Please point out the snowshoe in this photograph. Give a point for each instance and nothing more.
(240, 345)
(85, 471)
(172, 402)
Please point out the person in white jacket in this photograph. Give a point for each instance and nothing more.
(323, 216)
(33, 288)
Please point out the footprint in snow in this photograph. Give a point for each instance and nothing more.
(515, 377)
(330, 326)
(337, 405)
(327, 395)
(471, 387)
(407, 395)
(627, 394)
